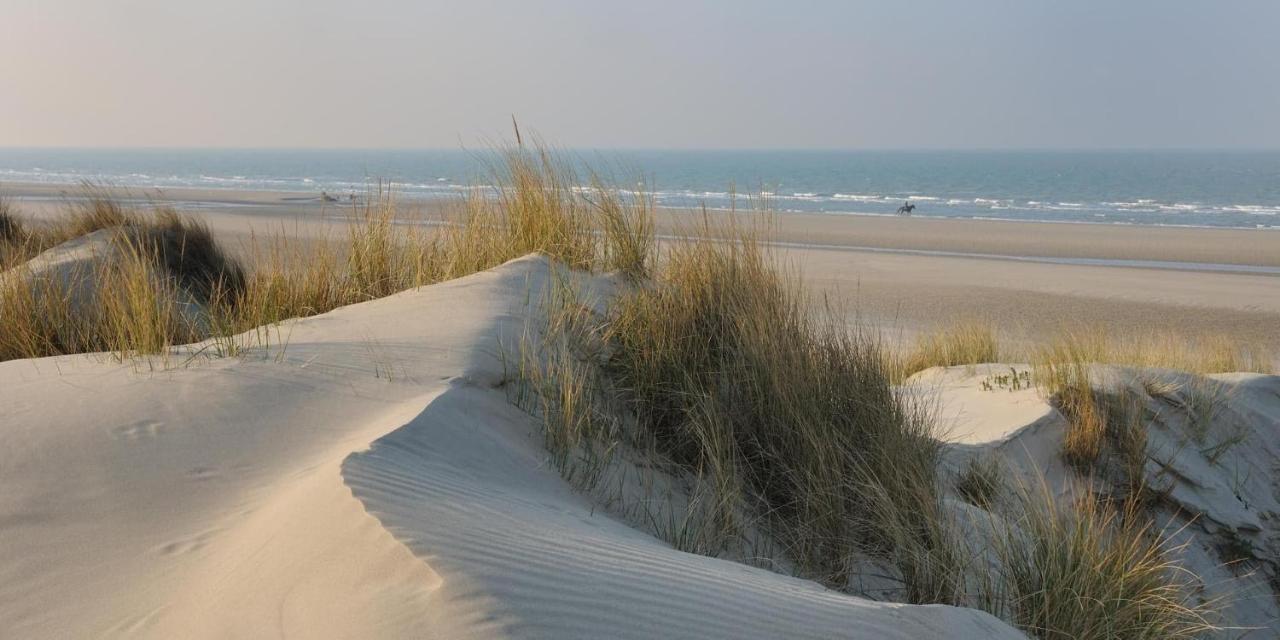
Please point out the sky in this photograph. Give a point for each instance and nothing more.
(653, 74)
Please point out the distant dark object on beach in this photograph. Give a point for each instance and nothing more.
(906, 208)
(324, 196)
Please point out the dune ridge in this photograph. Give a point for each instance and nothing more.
(367, 478)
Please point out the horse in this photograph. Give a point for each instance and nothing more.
(906, 209)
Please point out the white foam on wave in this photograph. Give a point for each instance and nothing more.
(1253, 209)
(426, 187)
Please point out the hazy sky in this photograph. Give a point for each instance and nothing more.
(652, 73)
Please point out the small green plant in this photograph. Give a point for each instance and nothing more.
(1015, 380)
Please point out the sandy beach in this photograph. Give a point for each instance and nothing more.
(886, 270)
(371, 471)
(639, 321)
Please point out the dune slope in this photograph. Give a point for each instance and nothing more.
(1212, 454)
(365, 477)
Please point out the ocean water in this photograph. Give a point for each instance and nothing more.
(1191, 188)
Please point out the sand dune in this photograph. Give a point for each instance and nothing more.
(1218, 486)
(363, 478)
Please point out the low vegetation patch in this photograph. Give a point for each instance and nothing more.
(1015, 380)
(965, 342)
(980, 481)
(535, 208)
(723, 364)
(155, 277)
(727, 374)
(1201, 354)
(1087, 570)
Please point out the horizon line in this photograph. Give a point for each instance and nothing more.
(922, 149)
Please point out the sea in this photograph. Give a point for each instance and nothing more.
(1237, 189)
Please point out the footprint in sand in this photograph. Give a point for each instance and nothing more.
(137, 623)
(137, 430)
(186, 544)
(203, 473)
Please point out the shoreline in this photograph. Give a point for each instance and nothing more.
(974, 237)
(1024, 239)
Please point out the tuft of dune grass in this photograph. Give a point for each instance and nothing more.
(731, 374)
(185, 249)
(1086, 569)
(139, 309)
(1203, 354)
(980, 481)
(533, 207)
(14, 235)
(11, 227)
(1074, 396)
(967, 342)
(97, 209)
(141, 298)
(1064, 371)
